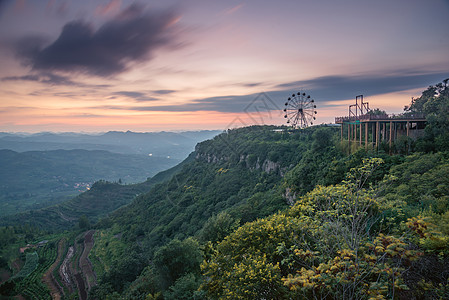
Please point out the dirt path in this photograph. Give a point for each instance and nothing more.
(48, 278)
(64, 270)
(84, 262)
(81, 287)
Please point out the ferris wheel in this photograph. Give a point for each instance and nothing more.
(300, 110)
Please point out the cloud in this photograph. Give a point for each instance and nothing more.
(233, 9)
(163, 92)
(3, 4)
(347, 87)
(51, 79)
(138, 96)
(323, 89)
(47, 78)
(252, 84)
(111, 7)
(226, 104)
(60, 8)
(131, 37)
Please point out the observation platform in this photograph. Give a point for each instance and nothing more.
(363, 127)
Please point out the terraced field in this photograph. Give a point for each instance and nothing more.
(76, 271)
(55, 269)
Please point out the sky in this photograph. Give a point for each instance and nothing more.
(95, 66)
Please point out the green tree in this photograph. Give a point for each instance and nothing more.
(83, 222)
(434, 103)
(217, 227)
(177, 259)
(184, 288)
(377, 112)
(322, 138)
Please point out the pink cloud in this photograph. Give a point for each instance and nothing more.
(110, 8)
(232, 10)
(20, 5)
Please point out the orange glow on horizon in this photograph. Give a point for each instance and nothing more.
(153, 121)
(77, 118)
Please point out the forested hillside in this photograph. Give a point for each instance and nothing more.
(265, 212)
(269, 213)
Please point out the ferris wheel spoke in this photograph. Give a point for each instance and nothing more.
(300, 110)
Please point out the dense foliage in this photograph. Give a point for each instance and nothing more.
(434, 103)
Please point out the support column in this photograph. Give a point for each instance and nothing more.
(366, 135)
(354, 132)
(360, 138)
(395, 131)
(341, 132)
(408, 142)
(377, 135)
(391, 132)
(349, 134)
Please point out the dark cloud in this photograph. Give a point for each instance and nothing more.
(3, 4)
(58, 8)
(163, 92)
(232, 104)
(132, 36)
(253, 84)
(47, 78)
(138, 96)
(346, 87)
(51, 79)
(329, 88)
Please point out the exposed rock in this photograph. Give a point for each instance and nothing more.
(290, 196)
(270, 166)
(267, 165)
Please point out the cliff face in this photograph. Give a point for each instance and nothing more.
(263, 148)
(264, 165)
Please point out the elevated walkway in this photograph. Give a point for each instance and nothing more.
(364, 128)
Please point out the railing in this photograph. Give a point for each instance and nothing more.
(368, 117)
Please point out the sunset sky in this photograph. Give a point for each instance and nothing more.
(200, 64)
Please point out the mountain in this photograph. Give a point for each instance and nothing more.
(36, 179)
(176, 145)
